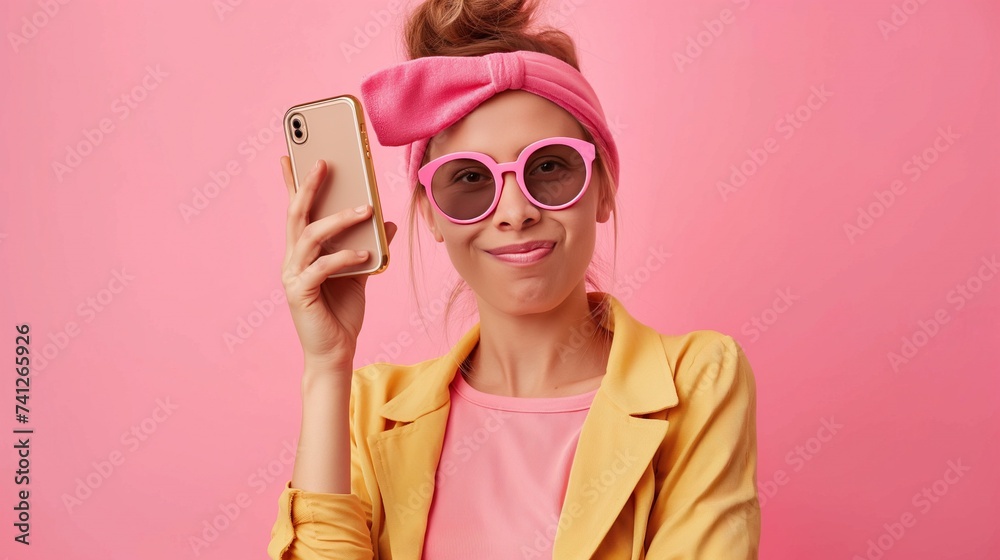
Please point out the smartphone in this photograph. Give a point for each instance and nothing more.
(334, 129)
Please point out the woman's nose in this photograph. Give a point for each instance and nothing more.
(514, 208)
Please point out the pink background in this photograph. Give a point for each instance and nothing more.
(133, 304)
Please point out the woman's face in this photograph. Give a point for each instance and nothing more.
(501, 127)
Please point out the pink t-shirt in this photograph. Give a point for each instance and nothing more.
(502, 477)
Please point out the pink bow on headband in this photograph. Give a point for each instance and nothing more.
(410, 102)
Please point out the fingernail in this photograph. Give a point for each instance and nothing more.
(361, 209)
(362, 254)
(316, 167)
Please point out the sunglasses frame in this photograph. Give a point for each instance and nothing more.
(586, 149)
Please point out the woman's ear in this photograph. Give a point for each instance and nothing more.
(428, 213)
(603, 211)
(604, 203)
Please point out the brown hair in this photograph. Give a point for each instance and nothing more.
(476, 28)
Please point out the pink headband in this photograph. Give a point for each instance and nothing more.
(410, 102)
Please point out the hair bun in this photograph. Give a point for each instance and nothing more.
(478, 27)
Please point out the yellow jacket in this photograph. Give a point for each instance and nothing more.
(665, 467)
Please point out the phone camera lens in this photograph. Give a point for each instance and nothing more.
(296, 123)
(298, 134)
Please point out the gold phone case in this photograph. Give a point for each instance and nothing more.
(334, 129)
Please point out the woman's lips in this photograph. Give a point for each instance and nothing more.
(526, 258)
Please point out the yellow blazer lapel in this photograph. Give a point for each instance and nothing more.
(616, 444)
(406, 457)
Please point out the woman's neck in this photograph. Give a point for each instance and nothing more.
(563, 351)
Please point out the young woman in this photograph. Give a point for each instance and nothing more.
(558, 426)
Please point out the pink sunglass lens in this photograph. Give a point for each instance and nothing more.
(463, 188)
(555, 174)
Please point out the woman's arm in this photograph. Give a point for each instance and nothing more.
(320, 516)
(706, 504)
(322, 460)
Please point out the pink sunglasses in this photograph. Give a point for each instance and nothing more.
(465, 187)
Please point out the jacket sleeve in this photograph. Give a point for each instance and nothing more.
(706, 493)
(320, 525)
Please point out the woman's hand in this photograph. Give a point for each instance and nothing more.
(327, 312)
